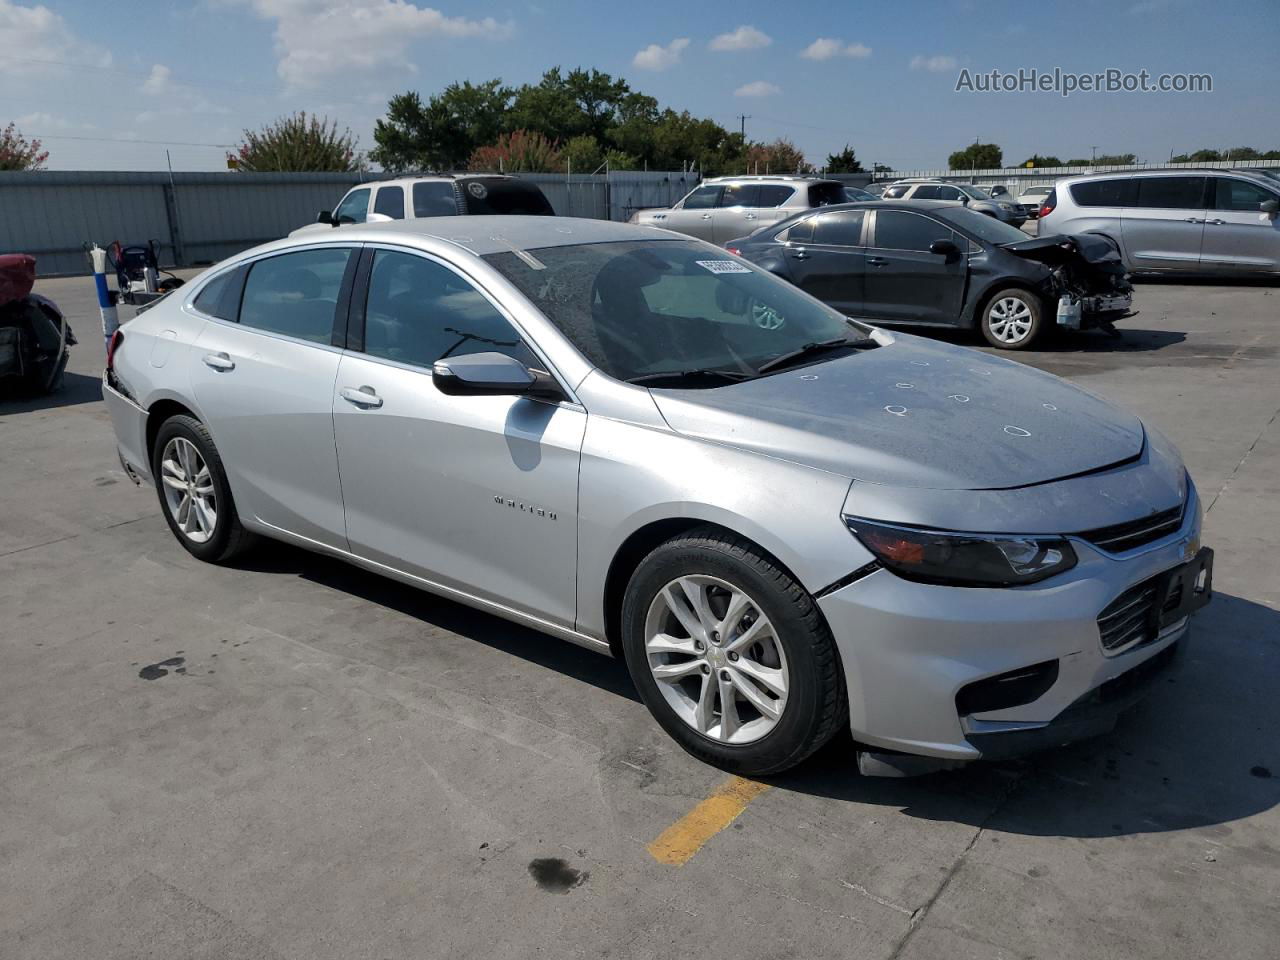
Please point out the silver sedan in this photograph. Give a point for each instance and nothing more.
(785, 521)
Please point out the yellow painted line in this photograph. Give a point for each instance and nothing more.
(680, 841)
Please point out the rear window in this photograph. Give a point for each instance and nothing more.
(502, 197)
(1177, 193)
(825, 193)
(1103, 193)
(434, 199)
(390, 202)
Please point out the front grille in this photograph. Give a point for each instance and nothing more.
(1130, 619)
(1120, 537)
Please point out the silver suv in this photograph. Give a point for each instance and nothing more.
(725, 208)
(1175, 221)
(962, 194)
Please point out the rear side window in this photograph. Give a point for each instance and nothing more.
(1177, 193)
(774, 195)
(390, 202)
(419, 311)
(295, 294)
(703, 198)
(499, 197)
(840, 229)
(740, 195)
(897, 191)
(1104, 193)
(899, 230)
(434, 199)
(221, 296)
(826, 193)
(1239, 195)
(799, 232)
(353, 208)
(927, 191)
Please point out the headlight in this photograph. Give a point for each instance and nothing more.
(1006, 206)
(964, 559)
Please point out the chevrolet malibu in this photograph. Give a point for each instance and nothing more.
(783, 520)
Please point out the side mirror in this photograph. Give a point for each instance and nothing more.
(944, 248)
(1269, 207)
(326, 216)
(491, 375)
(964, 199)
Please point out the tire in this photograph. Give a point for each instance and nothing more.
(1011, 318)
(795, 649)
(215, 539)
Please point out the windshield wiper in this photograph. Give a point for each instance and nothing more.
(813, 349)
(676, 376)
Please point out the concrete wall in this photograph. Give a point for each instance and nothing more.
(204, 217)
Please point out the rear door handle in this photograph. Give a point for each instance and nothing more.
(1215, 220)
(219, 361)
(361, 396)
(1193, 220)
(800, 254)
(877, 261)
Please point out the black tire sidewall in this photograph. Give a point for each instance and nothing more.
(791, 739)
(191, 429)
(1033, 303)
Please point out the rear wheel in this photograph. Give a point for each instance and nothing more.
(193, 490)
(1011, 319)
(731, 655)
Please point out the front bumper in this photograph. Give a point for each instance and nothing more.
(909, 648)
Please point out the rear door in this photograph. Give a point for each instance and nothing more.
(265, 387)
(827, 258)
(1238, 236)
(904, 281)
(1164, 227)
(697, 213)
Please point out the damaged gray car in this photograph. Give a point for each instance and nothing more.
(925, 263)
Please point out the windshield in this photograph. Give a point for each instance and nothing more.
(975, 193)
(981, 226)
(639, 308)
(854, 194)
(505, 197)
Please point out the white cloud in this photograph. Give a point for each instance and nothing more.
(318, 39)
(757, 88)
(744, 38)
(935, 64)
(41, 41)
(43, 122)
(657, 57)
(157, 81)
(824, 48)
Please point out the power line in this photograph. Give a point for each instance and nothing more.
(161, 143)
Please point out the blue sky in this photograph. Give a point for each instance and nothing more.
(882, 78)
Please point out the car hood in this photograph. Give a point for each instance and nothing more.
(915, 413)
(1059, 248)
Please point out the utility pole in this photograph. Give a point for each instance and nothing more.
(742, 129)
(1093, 155)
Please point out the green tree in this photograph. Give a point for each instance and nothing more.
(1036, 160)
(298, 143)
(582, 154)
(19, 153)
(846, 161)
(881, 168)
(442, 133)
(1200, 156)
(1115, 159)
(977, 156)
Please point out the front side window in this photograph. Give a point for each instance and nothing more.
(927, 191)
(390, 202)
(1176, 193)
(704, 198)
(740, 195)
(949, 193)
(1235, 194)
(419, 311)
(646, 308)
(899, 230)
(434, 199)
(295, 294)
(354, 207)
(842, 229)
(897, 191)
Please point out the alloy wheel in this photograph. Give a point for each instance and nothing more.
(717, 659)
(1009, 319)
(189, 491)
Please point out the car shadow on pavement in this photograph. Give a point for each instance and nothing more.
(1061, 341)
(537, 648)
(76, 388)
(1199, 753)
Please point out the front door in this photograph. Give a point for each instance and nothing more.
(696, 214)
(905, 283)
(474, 493)
(1164, 227)
(1238, 236)
(264, 386)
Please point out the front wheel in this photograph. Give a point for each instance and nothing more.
(1011, 320)
(731, 655)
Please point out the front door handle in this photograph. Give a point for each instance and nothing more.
(706, 216)
(751, 216)
(361, 396)
(219, 361)
(1193, 220)
(1215, 220)
(800, 254)
(877, 261)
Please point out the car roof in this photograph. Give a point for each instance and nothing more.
(1167, 172)
(496, 234)
(433, 178)
(768, 177)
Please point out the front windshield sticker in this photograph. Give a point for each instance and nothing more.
(722, 266)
